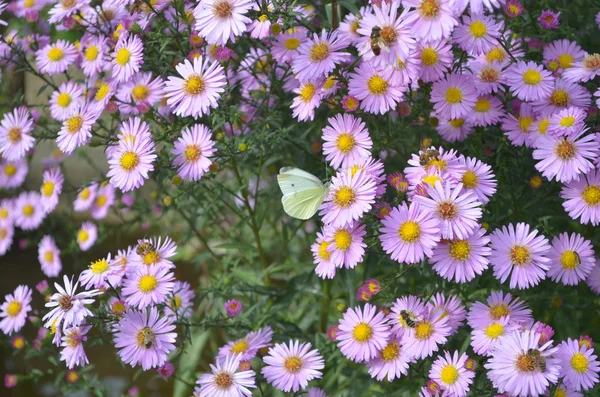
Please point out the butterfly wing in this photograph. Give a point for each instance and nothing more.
(305, 203)
(292, 180)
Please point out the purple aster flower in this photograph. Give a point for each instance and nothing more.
(150, 285)
(564, 94)
(518, 129)
(308, 99)
(454, 96)
(247, 346)
(7, 231)
(14, 310)
(29, 213)
(56, 58)
(15, 134)
(101, 274)
(346, 244)
(549, 19)
(73, 353)
(485, 339)
(13, 173)
(144, 338)
(181, 303)
(104, 199)
(545, 331)
(499, 305)
(430, 330)
(520, 254)
(10, 381)
(585, 70)
(346, 139)
(583, 198)
(566, 123)
(430, 19)
(374, 88)
(198, 88)
(233, 307)
(409, 234)
(529, 81)
(153, 252)
(127, 57)
(226, 379)
(410, 307)
(391, 362)
(477, 177)
(593, 279)
(285, 47)
(166, 370)
(219, 21)
(322, 257)
(436, 58)
(513, 8)
(87, 235)
(68, 306)
(77, 128)
(450, 306)
(95, 53)
(571, 259)
(514, 367)
(49, 257)
(488, 110)
(362, 333)
(52, 184)
(193, 151)
(487, 77)
(140, 92)
(318, 56)
(478, 34)
(290, 367)
(450, 373)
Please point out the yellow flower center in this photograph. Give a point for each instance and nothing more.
(308, 92)
(15, 134)
(460, 250)
(391, 352)
(263, 18)
(449, 375)
(489, 74)
(55, 54)
(148, 283)
(194, 85)
(499, 310)
(514, 10)
(177, 302)
(49, 256)
(532, 77)
(123, 56)
(192, 153)
(559, 98)
(424, 330)
(429, 56)
(82, 236)
(579, 363)
(102, 92)
(48, 188)
(432, 179)
(10, 169)
(150, 258)
(362, 332)
(140, 92)
(470, 179)
(28, 210)
(85, 193)
(377, 85)
(560, 392)
(410, 231)
(343, 239)
(543, 126)
(29, 3)
(240, 346)
(74, 124)
(129, 160)
(567, 121)
(344, 197)
(524, 124)
(483, 105)
(63, 100)
(292, 43)
(14, 308)
(323, 253)
(388, 34)
(564, 150)
(101, 200)
(565, 60)
(454, 95)
(494, 330)
(318, 51)
(91, 53)
(329, 83)
(345, 142)
(569, 259)
(478, 29)
(3, 213)
(525, 363)
(591, 195)
(520, 255)
(496, 55)
(447, 210)
(99, 266)
(293, 364)
(223, 9)
(429, 9)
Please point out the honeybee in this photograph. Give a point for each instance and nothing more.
(148, 337)
(143, 248)
(539, 361)
(427, 155)
(408, 318)
(377, 42)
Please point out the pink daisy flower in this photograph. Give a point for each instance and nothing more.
(410, 307)
(529, 81)
(127, 57)
(433, 159)
(346, 139)
(87, 235)
(73, 353)
(198, 88)
(308, 99)
(7, 231)
(436, 58)
(452, 307)
(549, 19)
(450, 373)
(346, 244)
(56, 58)
(101, 274)
(583, 198)
(460, 260)
(349, 26)
(181, 303)
(585, 70)
(140, 93)
(104, 91)
(488, 110)
(103, 200)
(431, 19)
(52, 184)
(520, 252)
(248, 346)
(318, 56)
(571, 259)
(77, 128)
(513, 370)
(404, 73)
(66, 100)
(452, 130)
(15, 134)
(219, 21)
(14, 310)
(285, 47)
(409, 234)
(457, 210)
(233, 307)
(13, 173)
(394, 31)
(362, 333)
(563, 95)
(374, 88)
(49, 257)
(499, 305)
(567, 122)
(68, 306)
(350, 196)
(477, 34)
(485, 339)
(518, 129)
(579, 365)
(454, 96)
(29, 213)
(226, 379)
(131, 163)
(477, 177)
(144, 338)
(193, 151)
(566, 158)
(290, 367)
(563, 53)
(148, 286)
(488, 77)
(391, 362)
(322, 257)
(94, 51)
(513, 8)
(430, 331)
(153, 252)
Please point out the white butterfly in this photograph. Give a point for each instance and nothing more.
(303, 192)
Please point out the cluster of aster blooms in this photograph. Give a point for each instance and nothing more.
(521, 357)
